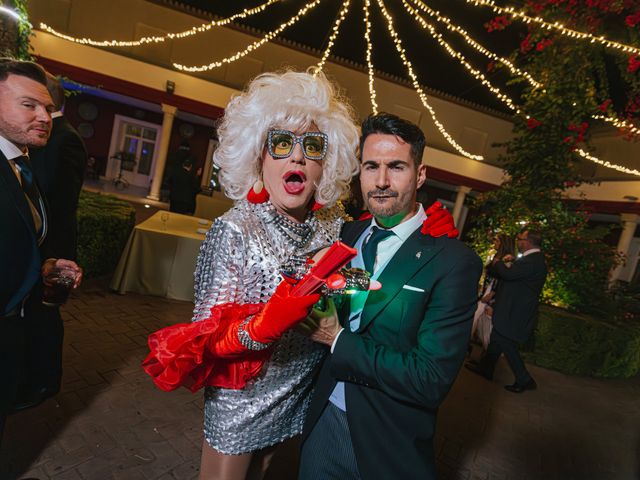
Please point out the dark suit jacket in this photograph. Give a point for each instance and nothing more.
(515, 308)
(21, 262)
(400, 364)
(59, 169)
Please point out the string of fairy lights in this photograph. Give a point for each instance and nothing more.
(416, 9)
(557, 26)
(416, 85)
(334, 34)
(161, 38)
(477, 74)
(255, 45)
(367, 37)
(450, 25)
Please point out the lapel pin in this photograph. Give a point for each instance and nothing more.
(418, 254)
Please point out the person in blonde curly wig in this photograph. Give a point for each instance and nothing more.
(287, 153)
(292, 100)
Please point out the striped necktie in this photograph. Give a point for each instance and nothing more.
(32, 193)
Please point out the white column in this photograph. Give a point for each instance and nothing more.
(208, 164)
(459, 203)
(629, 222)
(167, 123)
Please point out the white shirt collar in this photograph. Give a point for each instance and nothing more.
(405, 229)
(56, 114)
(530, 251)
(10, 150)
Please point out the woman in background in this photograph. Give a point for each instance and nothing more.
(504, 247)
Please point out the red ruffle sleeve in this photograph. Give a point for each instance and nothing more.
(180, 354)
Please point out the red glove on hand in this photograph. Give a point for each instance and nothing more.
(278, 315)
(439, 222)
(281, 312)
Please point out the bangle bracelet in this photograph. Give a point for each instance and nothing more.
(246, 340)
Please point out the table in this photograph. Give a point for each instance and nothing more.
(160, 257)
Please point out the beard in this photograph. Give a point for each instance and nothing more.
(24, 136)
(393, 203)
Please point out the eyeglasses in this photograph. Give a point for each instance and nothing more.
(280, 144)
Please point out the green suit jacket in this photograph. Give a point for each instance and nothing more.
(401, 362)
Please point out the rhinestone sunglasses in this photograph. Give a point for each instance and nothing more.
(280, 144)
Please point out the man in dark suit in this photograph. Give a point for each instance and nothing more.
(515, 310)
(25, 121)
(399, 349)
(184, 186)
(59, 169)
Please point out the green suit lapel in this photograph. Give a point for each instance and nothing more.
(416, 252)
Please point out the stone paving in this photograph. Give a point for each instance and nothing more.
(110, 422)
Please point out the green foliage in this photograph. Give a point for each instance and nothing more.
(104, 225)
(577, 259)
(579, 79)
(584, 345)
(23, 51)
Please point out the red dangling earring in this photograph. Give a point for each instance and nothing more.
(316, 206)
(257, 193)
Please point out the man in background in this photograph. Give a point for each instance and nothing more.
(184, 185)
(59, 170)
(515, 310)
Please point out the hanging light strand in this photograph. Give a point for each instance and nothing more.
(505, 99)
(477, 74)
(605, 163)
(255, 45)
(557, 26)
(334, 34)
(14, 14)
(160, 38)
(621, 124)
(367, 37)
(416, 85)
(474, 44)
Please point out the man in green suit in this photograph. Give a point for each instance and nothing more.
(396, 351)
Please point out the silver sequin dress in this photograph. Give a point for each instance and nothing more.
(239, 262)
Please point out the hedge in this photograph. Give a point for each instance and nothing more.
(584, 345)
(104, 225)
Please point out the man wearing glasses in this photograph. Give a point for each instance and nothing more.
(515, 310)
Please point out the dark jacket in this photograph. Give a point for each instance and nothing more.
(21, 262)
(184, 185)
(515, 307)
(400, 364)
(59, 169)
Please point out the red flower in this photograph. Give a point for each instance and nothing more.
(542, 44)
(634, 64)
(525, 45)
(568, 140)
(632, 20)
(604, 105)
(533, 123)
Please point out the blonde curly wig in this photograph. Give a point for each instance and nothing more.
(292, 101)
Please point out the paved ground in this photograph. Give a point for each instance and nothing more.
(110, 422)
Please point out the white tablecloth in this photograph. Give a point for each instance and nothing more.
(160, 257)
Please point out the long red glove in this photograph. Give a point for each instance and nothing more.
(279, 314)
(439, 222)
